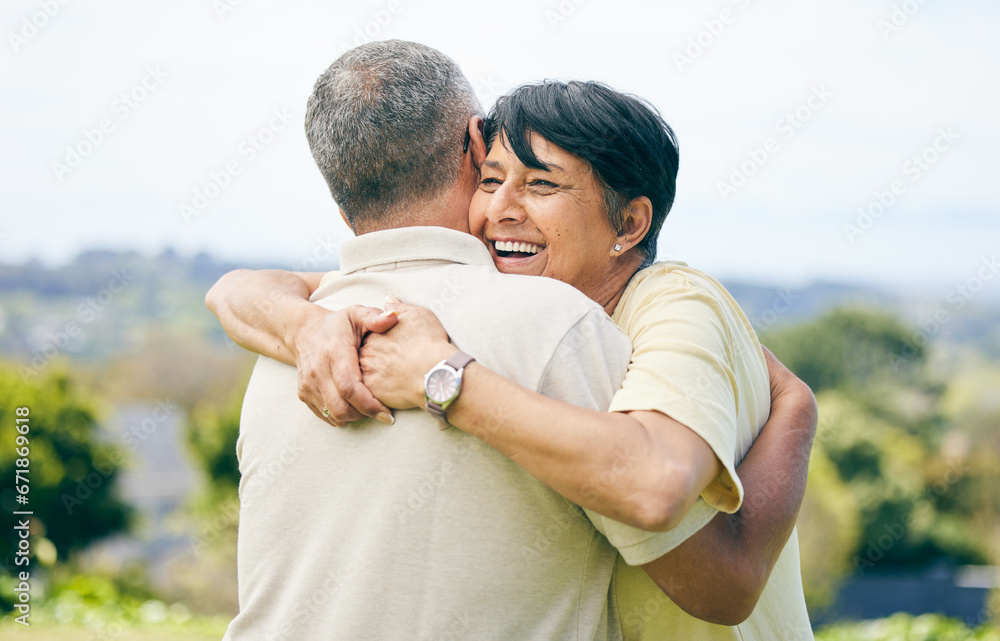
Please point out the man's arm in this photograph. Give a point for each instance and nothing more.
(719, 573)
(268, 312)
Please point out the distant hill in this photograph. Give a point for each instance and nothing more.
(766, 306)
(113, 296)
(89, 272)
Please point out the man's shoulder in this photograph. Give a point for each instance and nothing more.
(477, 284)
(518, 324)
(532, 302)
(544, 288)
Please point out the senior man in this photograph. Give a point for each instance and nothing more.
(401, 531)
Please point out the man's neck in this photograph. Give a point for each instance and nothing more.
(448, 212)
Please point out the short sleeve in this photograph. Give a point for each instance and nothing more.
(586, 369)
(640, 546)
(681, 368)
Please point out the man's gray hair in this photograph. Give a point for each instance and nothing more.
(385, 124)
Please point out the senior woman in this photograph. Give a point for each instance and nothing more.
(576, 184)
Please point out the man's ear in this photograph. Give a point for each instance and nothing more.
(636, 221)
(344, 216)
(477, 145)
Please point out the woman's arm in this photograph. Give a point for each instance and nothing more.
(719, 573)
(268, 312)
(643, 469)
(716, 575)
(262, 310)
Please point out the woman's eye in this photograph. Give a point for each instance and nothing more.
(545, 184)
(489, 184)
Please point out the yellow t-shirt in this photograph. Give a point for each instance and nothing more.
(696, 358)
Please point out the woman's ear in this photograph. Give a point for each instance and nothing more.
(476, 142)
(636, 221)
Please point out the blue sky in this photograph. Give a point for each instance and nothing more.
(794, 119)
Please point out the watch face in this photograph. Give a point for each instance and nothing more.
(441, 385)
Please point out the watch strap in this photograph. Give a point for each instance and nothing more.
(435, 410)
(459, 360)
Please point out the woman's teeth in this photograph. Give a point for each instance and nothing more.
(524, 248)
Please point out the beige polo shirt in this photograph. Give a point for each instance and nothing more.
(406, 531)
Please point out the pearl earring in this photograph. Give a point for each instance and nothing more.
(618, 247)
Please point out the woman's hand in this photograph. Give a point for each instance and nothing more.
(393, 364)
(325, 349)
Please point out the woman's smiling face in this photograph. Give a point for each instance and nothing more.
(544, 222)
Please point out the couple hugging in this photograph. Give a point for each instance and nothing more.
(438, 444)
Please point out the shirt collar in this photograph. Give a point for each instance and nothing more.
(405, 244)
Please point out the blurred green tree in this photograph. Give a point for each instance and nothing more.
(889, 473)
(70, 472)
(849, 348)
(902, 489)
(212, 432)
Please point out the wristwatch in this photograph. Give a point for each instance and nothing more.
(443, 383)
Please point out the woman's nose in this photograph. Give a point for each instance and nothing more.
(505, 206)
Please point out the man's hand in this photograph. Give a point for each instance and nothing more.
(325, 347)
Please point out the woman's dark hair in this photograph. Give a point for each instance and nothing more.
(628, 145)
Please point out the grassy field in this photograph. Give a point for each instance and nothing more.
(899, 627)
(204, 631)
(62, 633)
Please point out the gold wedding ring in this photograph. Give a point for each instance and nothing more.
(326, 411)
